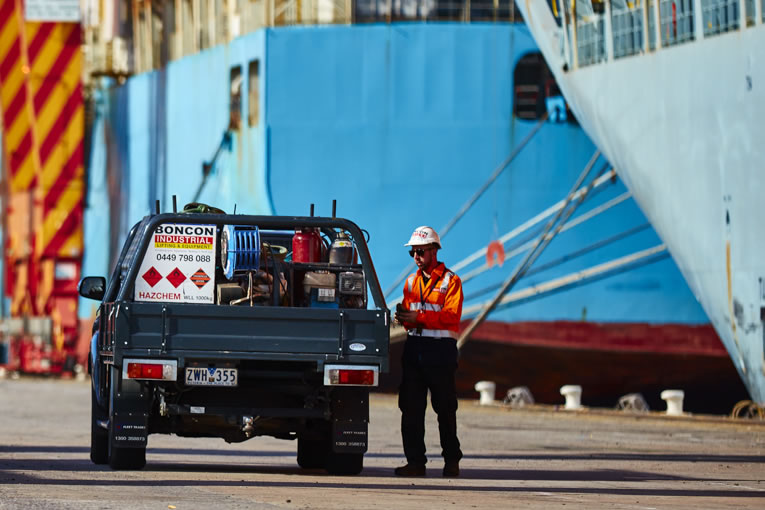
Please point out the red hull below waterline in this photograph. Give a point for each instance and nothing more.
(608, 360)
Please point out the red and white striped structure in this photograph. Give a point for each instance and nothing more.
(43, 130)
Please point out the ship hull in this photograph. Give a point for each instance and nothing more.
(683, 126)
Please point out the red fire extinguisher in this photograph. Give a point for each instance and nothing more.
(306, 245)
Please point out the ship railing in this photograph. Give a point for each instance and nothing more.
(304, 12)
(591, 41)
(366, 11)
(676, 21)
(611, 29)
(721, 16)
(627, 29)
(261, 13)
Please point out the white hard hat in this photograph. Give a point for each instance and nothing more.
(424, 235)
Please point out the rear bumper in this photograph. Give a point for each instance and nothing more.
(187, 357)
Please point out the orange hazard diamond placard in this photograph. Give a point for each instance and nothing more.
(176, 277)
(200, 278)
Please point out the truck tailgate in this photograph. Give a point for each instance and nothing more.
(245, 329)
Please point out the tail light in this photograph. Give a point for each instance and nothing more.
(351, 375)
(150, 369)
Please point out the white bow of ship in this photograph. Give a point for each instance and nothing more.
(678, 107)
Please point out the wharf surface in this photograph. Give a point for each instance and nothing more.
(534, 458)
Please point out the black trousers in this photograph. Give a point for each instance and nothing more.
(428, 364)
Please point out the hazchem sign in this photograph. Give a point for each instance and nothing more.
(52, 10)
(179, 265)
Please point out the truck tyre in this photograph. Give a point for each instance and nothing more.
(312, 453)
(345, 463)
(99, 436)
(127, 458)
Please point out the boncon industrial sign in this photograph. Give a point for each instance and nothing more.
(179, 265)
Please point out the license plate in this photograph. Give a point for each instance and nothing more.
(211, 376)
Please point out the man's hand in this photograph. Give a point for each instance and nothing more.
(406, 316)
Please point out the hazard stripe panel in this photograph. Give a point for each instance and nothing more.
(41, 100)
(40, 84)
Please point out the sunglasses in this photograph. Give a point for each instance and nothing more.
(418, 251)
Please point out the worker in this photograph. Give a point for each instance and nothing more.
(430, 312)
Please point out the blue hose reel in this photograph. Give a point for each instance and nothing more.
(241, 249)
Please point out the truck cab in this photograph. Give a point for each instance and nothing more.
(236, 326)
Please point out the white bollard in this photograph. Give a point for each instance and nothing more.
(573, 394)
(487, 390)
(519, 396)
(633, 402)
(674, 400)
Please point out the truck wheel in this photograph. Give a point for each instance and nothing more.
(312, 453)
(345, 463)
(99, 436)
(127, 458)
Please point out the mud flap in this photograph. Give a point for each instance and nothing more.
(350, 420)
(349, 436)
(128, 417)
(129, 430)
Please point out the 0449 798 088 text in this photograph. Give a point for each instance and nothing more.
(182, 257)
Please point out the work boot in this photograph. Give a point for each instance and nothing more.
(451, 469)
(410, 470)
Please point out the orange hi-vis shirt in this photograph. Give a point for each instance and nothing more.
(438, 303)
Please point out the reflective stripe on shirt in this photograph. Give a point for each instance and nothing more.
(435, 333)
(432, 307)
